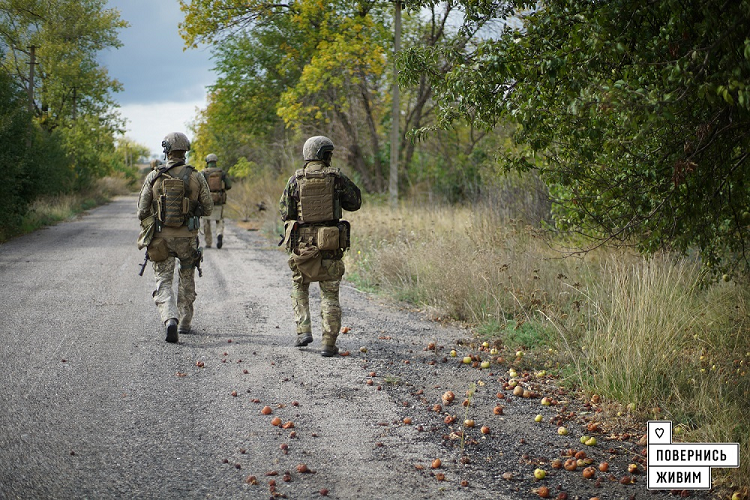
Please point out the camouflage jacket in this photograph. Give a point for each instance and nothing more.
(346, 191)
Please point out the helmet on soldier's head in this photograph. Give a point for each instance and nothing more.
(318, 148)
(175, 141)
(212, 158)
(155, 163)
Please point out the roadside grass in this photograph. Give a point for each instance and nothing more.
(651, 335)
(50, 210)
(254, 203)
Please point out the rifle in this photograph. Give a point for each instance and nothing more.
(143, 266)
(198, 255)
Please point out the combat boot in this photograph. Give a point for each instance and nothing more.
(171, 330)
(218, 240)
(329, 350)
(303, 339)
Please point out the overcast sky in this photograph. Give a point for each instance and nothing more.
(164, 85)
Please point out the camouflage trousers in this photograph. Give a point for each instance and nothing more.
(330, 309)
(207, 237)
(164, 297)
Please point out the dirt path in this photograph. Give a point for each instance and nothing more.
(96, 405)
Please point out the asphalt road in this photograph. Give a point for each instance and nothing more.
(95, 404)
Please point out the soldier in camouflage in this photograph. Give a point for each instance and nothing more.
(222, 184)
(175, 240)
(316, 238)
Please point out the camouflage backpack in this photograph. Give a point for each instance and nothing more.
(214, 178)
(172, 197)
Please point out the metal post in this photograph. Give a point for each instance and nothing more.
(396, 111)
(32, 63)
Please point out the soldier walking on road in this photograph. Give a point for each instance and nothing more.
(173, 198)
(218, 183)
(317, 238)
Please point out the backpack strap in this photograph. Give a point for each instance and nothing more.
(163, 170)
(186, 179)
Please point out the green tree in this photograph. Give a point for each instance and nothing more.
(72, 93)
(636, 114)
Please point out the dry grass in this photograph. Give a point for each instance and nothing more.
(645, 332)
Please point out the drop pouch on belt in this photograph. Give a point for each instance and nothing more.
(158, 250)
(147, 231)
(308, 263)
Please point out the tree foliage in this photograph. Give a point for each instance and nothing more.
(288, 71)
(637, 114)
(72, 93)
(63, 138)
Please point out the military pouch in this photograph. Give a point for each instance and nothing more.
(193, 223)
(345, 231)
(308, 262)
(289, 229)
(328, 238)
(158, 250)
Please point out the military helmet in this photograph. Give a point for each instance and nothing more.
(212, 157)
(155, 163)
(175, 141)
(315, 148)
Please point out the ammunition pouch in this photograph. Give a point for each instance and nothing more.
(158, 250)
(193, 223)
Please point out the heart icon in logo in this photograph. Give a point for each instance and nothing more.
(659, 432)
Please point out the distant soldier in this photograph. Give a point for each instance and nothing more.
(175, 196)
(316, 238)
(219, 183)
(156, 163)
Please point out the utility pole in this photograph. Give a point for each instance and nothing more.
(396, 110)
(32, 63)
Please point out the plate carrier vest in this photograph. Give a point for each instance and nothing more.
(172, 197)
(317, 197)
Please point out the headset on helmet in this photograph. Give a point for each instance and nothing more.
(318, 148)
(175, 141)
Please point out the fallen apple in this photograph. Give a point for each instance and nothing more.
(589, 472)
(543, 492)
(546, 401)
(562, 431)
(590, 441)
(485, 364)
(485, 429)
(570, 464)
(453, 353)
(467, 360)
(436, 463)
(604, 466)
(469, 422)
(540, 474)
(538, 418)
